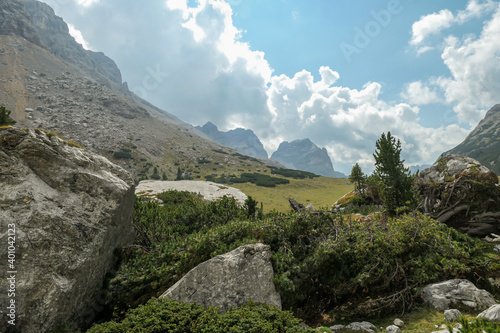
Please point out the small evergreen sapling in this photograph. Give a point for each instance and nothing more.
(5, 118)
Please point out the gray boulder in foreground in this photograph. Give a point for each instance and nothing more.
(70, 210)
(491, 314)
(229, 280)
(458, 292)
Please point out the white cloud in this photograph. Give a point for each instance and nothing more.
(87, 3)
(417, 93)
(472, 88)
(348, 121)
(431, 24)
(77, 35)
(434, 23)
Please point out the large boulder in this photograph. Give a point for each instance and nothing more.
(209, 190)
(229, 280)
(70, 210)
(491, 314)
(458, 292)
(461, 193)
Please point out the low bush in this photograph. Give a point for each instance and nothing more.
(164, 315)
(296, 174)
(478, 325)
(122, 155)
(181, 213)
(323, 263)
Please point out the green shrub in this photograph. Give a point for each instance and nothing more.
(478, 325)
(5, 118)
(164, 315)
(322, 262)
(122, 155)
(296, 174)
(182, 213)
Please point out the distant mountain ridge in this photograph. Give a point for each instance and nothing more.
(305, 155)
(243, 140)
(483, 142)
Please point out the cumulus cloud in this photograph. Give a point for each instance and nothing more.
(434, 23)
(349, 121)
(417, 93)
(472, 88)
(431, 24)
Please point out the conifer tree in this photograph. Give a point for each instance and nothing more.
(396, 180)
(358, 178)
(5, 118)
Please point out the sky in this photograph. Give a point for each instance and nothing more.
(340, 73)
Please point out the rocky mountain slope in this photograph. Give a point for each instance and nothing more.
(305, 155)
(54, 34)
(81, 98)
(243, 140)
(483, 143)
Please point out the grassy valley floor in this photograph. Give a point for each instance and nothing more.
(320, 192)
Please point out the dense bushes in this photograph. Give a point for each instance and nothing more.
(259, 180)
(254, 178)
(164, 315)
(296, 174)
(180, 214)
(322, 262)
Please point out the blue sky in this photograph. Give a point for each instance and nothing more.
(337, 72)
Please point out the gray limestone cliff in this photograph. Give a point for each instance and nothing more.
(305, 155)
(15, 21)
(67, 211)
(483, 142)
(54, 34)
(243, 140)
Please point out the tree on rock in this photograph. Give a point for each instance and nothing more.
(5, 118)
(396, 180)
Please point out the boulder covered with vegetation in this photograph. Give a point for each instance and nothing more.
(462, 193)
(230, 280)
(67, 210)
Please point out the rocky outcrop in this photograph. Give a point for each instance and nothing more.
(15, 21)
(483, 143)
(462, 193)
(243, 140)
(54, 34)
(305, 155)
(209, 190)
(447, 167)
(70, 210)
(229, 280)
(444, 295)
(491, 314)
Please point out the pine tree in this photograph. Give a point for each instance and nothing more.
(5, 118)
(358, 178)
(179, 174)
(396, 180)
